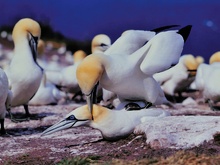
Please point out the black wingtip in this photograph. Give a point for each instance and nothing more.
(157, 30)
(185, 31)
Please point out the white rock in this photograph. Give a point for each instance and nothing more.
(179, 132)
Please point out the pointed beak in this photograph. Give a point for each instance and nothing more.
(91, 98)
(33, 41)
(64, 124)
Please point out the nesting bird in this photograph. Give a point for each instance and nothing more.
(207, 80)
(112, 124)
(130, 76)
(178, 78)
(24, 73)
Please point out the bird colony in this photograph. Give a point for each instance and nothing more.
(122, 85)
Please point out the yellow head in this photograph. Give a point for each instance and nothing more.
(25, 26)
(80, 117)
(215, 58)
(98, 114)
(200, 59)
(89, 72)
(191, 64)
(79, 55)
(100, 43)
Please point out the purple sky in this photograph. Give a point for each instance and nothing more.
(82, 19)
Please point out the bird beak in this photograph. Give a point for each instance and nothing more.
(33, 41)
(91, 98)
(64, 124)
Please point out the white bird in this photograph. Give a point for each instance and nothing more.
(24, 73)
(127, 43)
(207, 80)
(178, 78)
(130, 75)
(100, 43)
(47, 94)
(5, 98)
(112, 124)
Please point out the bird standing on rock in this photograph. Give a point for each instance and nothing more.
(130, 76)
(24, 73)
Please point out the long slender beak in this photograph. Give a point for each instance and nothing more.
(64, 124)
(91, 98)
(33, 41)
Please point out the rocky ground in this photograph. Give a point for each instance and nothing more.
(25, 145)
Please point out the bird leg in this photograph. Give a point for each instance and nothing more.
(20, 120)
(2, 132)
(26, 110)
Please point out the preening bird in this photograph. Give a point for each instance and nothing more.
(178, 78)
(113, 124)
(130, 76)
(24, 73)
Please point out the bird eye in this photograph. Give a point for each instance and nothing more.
(103, 44)
(72, 117)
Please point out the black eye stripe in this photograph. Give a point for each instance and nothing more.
(71, 117)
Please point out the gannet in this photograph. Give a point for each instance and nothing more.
(24, 73)
(127, 43)
(4, 99)
(112, 124)
(100, 43)
(47, 94)
(179, 77)
(130, 76)
(207, 80)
